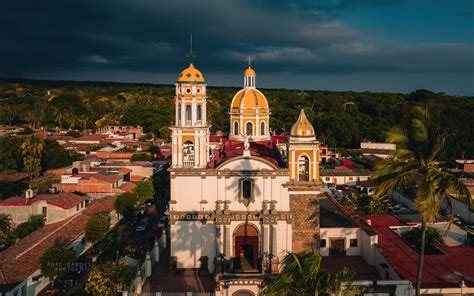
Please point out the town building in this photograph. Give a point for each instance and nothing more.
(343, 175)
(54, 207)
(20, 272)
(233, 207)
(379, 150)
(93, 184)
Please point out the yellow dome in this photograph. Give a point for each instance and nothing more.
(302, 127)
(249, 71)
(248, 100)
(191, 74)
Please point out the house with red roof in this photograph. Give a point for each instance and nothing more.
(19, 264)
(54, 207)
(93, 184)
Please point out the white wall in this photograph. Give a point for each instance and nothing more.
(347, 234)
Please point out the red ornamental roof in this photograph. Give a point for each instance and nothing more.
(230, 148)
(439, 271)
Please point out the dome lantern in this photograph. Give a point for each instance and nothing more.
(249, 75)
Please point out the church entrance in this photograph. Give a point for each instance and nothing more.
(246, 248)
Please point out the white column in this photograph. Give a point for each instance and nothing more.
(196, 151)
(313, 163)
(174, 151)
(183, 112)
(227, 241)
(265, 239)
(180, 151)
(292, 164)
(204, 113)
(176, 122)
(193, 112)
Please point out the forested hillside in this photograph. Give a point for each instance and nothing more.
(341, 119)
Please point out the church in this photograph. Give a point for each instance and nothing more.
(236, 208)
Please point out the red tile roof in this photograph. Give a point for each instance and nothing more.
(11, 176)
(63, 200)
(439, 271)
(128, 186)
(125, 170)
(20, 261)
(107, 178)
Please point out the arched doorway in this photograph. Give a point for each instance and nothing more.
(246, 248)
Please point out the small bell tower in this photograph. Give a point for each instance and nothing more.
(303, 151)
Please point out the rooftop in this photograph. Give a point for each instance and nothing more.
(11, 176)
(344, 172)
(439, 271)
(356, 264)
(332, 216)
(231, 148)
(63, 200)
(20, 261)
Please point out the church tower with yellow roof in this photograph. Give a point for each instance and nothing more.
(249, 111)
(303, 151)
(190, 133)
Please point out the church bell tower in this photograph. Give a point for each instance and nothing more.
(190, 133)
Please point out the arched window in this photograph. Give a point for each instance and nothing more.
(262, 128)
(188, 154)
(303, 168)
(249, 129)
(188, 114)
(199, 113)
(236, 128)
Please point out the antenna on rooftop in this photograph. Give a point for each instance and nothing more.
(249, 59)
(191, 54)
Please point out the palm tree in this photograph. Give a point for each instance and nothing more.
(301, 275)
(32, 150)
(417, 161)
(59, 117)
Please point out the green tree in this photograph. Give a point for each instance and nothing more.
(141, 157)
(55, 260)
(165, 133)
(144, 190)
(10, 153)
(55, 156)
(96, 227)
(32, 151)
(108, 278)
(125, 204)
(34, 223)
(418, 161)
(301, 274)
(6, 233)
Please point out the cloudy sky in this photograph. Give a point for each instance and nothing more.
(374, 45)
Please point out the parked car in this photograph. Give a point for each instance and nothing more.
(111, 236)
(101, 246)
(399, 209)
(143, 224)
(345, 187)
(469, 229)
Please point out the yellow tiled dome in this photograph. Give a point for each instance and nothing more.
(191, 74)
(302, 127)
(249, 100)
(249, 71)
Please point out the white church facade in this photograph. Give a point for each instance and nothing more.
(237, 210)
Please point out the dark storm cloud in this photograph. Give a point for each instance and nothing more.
(93, 39)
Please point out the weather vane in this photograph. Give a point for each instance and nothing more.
(191, 54)
(249, 59)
